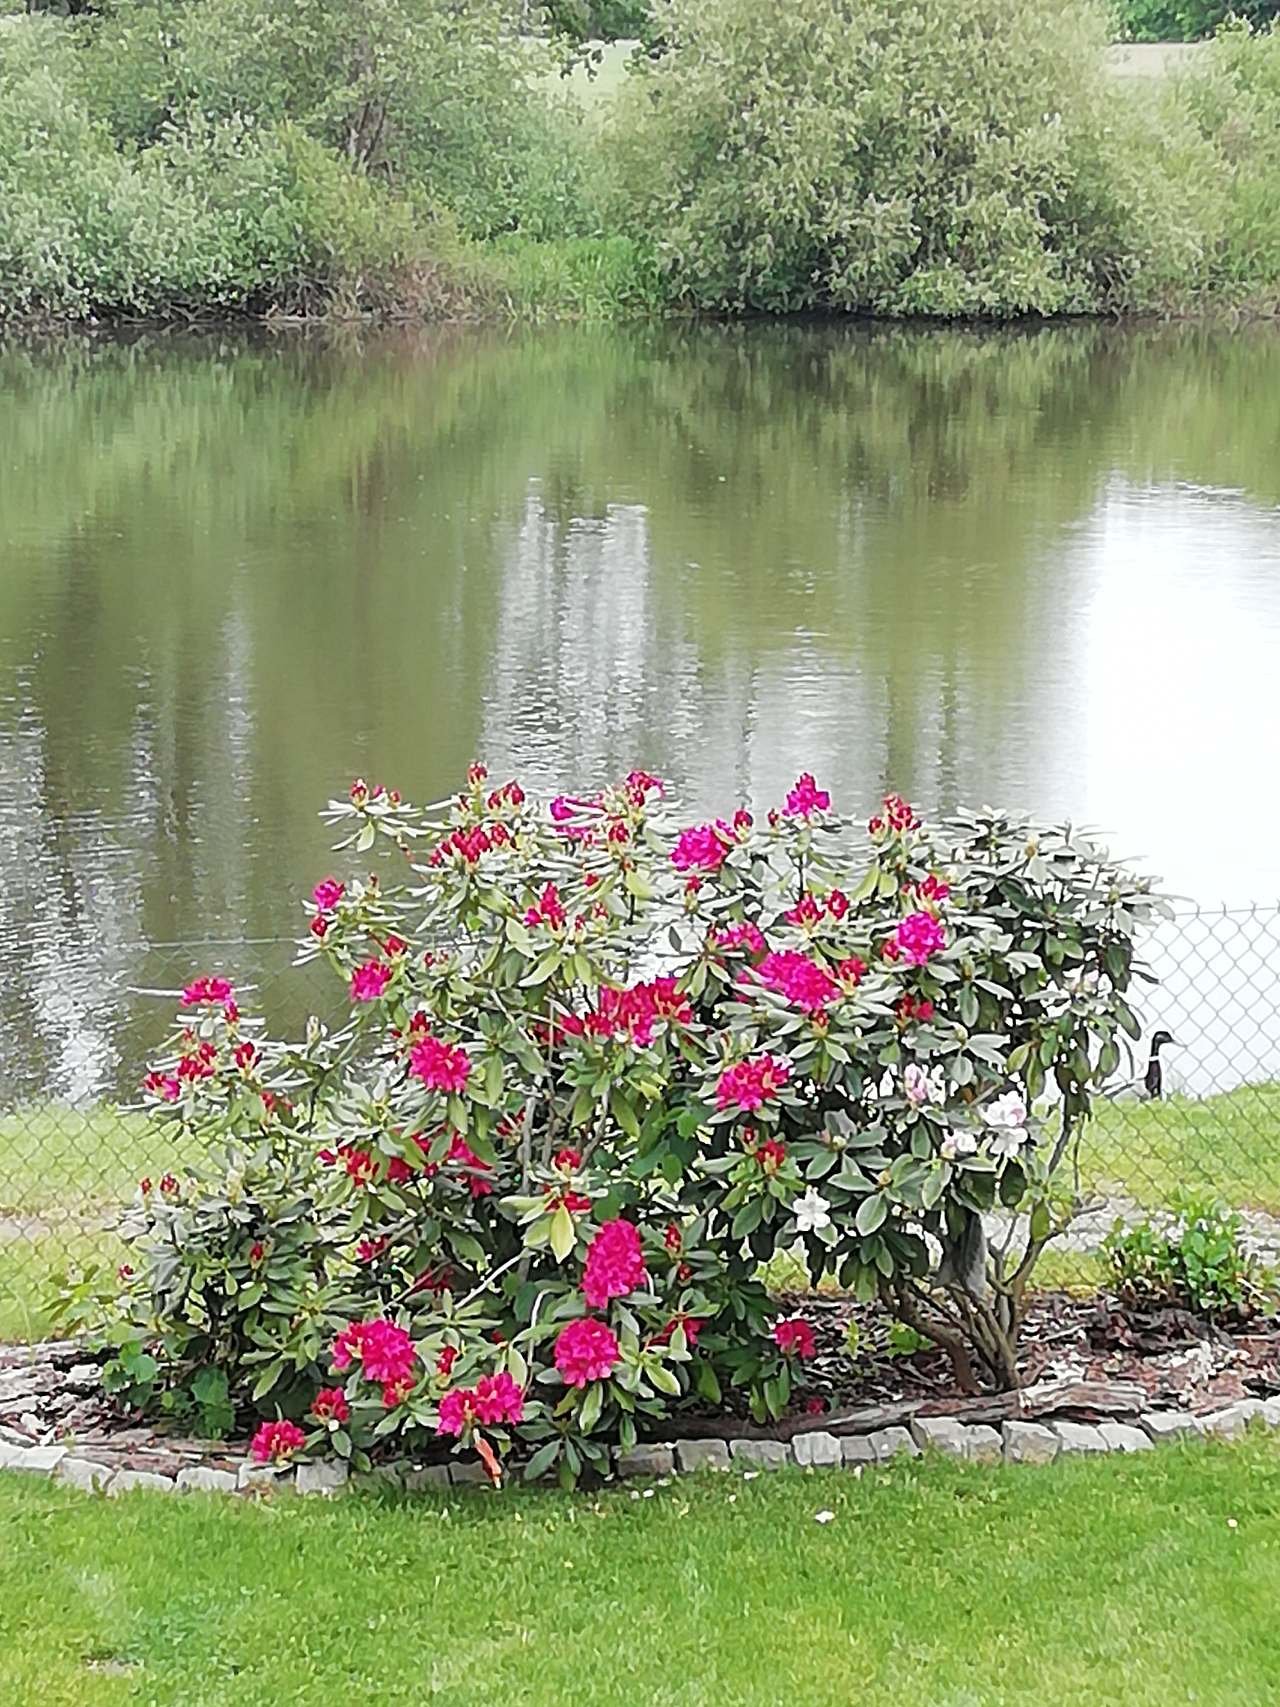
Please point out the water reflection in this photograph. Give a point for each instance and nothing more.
(1039, 568)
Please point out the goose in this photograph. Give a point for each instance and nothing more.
(1153, 1079)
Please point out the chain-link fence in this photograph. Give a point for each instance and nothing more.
(1199, 1113)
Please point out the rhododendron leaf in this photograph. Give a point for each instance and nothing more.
(544, 969)
(664, 1379)
(624, 1114)
(517, 1368)
(267, 1379)
(518, 936)
(706, 1382)
(542, 1460)
(364, 841)
(561, 1233)
(592, 1405)
(871, 1213)
(867, 887)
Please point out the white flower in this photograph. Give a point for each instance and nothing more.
(812, 1212)
(1007, 1141)
(920, 1087)
(1006, 1111)
(824, 1517)
(958, 1144)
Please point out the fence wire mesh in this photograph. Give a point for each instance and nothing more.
(74, 1140)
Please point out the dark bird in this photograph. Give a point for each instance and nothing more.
(1153, 1078)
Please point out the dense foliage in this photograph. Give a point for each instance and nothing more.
(597, 1072)
(973, 159)
(1194, 1258)
(890, 159)
(1189, 20)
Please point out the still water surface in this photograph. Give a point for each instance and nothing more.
(1038, 569)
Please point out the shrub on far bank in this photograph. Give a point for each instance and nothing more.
(969, 159)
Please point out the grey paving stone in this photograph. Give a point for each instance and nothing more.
(1124, 1437)
(1079, 1437)
(264, 1476)
(982, 1445)
(327, 1476)
(702, 1454)
(647, 1461)
(760, 1454)
(942, 1434)
(423, 1476)
(1271, 1412)
(461, 1473)
(32, 1460)
(889, 1442)
(83, 1473)
(1231, 1422)
(1167, 1425)
(817, 1448)
(857, 1449)
(126, 1481)
(202, 1479)
(1029, 1443)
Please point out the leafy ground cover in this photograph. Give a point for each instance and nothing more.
(1141, 1581)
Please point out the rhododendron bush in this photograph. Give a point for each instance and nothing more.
(600, 1065)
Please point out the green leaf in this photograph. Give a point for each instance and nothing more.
(871, 1213)
(563, 1237)
(592, 1405)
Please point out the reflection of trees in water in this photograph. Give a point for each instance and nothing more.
(238, 570)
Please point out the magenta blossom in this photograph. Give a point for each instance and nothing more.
(210, 990)
(327, 893)
(440, 1066)
(703, 847)
(615, 1264)
(802, 981)
(919, 937)
(751, 1083)
(806, 798)
(369, 981)
(586, 1350)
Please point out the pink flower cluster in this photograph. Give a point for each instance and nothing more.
(327, 893)
(794, 1337)
(702, 847)
(386, 1354)
(812, 909)
(330, 1405)
(802, 981)
(549, 910)
(276, 1442)
(586, 1350)
(206, 991)
(440, 1066)
(897, 815)
(751, 1083)
(493, 1399)
(369, 981)
(933, 889)
(474, 1169)
(919, 936)
(163, 1085)
(634, 1013)
(470, 845)
(615, 1264)
(806, 798)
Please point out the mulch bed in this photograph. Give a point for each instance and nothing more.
(1087, 1357)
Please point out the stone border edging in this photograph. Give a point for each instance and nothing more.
(1016, 1442)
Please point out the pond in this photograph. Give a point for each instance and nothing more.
(1038, 568)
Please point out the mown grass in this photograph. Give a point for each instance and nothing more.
(1226, 1146)
(1141, 1581)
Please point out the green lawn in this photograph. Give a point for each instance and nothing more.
(1225, 1145)
(1138, 1581)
